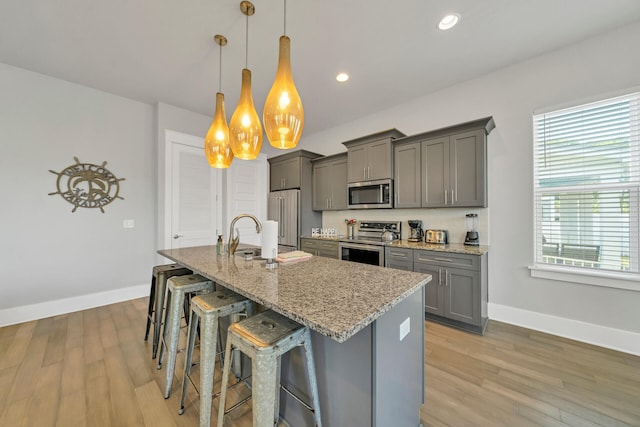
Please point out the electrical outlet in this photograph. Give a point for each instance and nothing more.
(405, 328)
(127, 223)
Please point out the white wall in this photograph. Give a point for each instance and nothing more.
(49, 253)
(601, 65)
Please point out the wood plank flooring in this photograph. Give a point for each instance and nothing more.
(92, 368)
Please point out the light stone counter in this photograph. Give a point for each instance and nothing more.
(450, 247)
(335, 298)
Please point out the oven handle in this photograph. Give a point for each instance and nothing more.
(362, 246)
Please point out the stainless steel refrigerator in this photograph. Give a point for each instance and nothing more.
(283, 206)
(294, 216)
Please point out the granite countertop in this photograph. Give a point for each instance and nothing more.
(338, 238)
(457, 248)
(334, 298)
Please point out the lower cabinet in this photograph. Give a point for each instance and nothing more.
(319, 247)
(457, 293)
(399, 258)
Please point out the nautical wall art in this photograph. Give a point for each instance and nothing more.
(86, 185)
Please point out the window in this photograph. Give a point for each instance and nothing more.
(587, 187)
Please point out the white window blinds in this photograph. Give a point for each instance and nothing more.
(587, 185)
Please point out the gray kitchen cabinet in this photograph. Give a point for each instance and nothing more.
(330, 183)
(288, 170)
(371, 157)
(407, 175)
(398, 258)
(454, 170)
(319, 247)
(447, 167)
(457, 293)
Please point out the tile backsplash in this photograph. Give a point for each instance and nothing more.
(451, 219)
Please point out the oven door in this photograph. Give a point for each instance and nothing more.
(363, 253)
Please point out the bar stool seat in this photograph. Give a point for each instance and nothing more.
(161, 273)
(264, 338)
(178, 287)
(207, 310)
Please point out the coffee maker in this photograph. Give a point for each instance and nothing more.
(415, 230)
(472, 239)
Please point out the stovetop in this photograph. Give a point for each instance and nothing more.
(370, 232)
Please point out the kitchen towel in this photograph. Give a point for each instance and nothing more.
(269, 239)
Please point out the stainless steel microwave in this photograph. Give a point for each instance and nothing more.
(371, 194)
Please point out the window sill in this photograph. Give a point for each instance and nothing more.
(628, 281)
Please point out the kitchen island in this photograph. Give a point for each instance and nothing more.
(367, 328)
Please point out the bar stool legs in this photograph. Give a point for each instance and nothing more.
(265, 338)
(209, 309)
(177, 287)
(161, 273)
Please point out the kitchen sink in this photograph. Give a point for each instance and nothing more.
(249, 253)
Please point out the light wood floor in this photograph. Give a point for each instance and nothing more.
(92, 368)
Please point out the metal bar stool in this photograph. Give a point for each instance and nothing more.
(177, 288)
(208, 309)
(161, 273)
(264, 338)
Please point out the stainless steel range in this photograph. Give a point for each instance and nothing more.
(367, 245)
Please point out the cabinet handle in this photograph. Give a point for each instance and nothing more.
(440, 276)
(368, 172)
(453, 197)
(443, 259)
(446, 278)
(445, 197)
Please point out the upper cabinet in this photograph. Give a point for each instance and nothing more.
(330, 183)
(452, 168)
(371, 157)
(407, 180)
(287, 170)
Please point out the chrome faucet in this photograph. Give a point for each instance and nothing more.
(235, 240)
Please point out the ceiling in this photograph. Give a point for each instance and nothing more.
(163, 50)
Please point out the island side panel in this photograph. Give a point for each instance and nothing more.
(344, 374)
(398, 365)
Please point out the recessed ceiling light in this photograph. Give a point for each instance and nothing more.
(342, 77)
(449, 21)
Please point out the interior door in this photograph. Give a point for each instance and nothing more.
(247, 188)
(193, 197)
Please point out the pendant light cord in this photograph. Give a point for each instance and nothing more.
(246, 47)
(285, 17)
(220, 71)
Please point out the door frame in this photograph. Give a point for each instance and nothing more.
(173, 137)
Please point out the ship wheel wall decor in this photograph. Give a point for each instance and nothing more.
(86, 185)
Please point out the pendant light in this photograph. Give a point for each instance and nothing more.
(283, 114)
(245, 131)
(216, 143)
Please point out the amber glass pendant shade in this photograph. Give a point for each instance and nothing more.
(216, 143)
(283, 114)
(245, 131)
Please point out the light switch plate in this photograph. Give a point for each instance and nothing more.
(127, 223)
(405, 328)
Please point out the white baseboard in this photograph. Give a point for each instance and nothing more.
(603, 336)
(26, 313)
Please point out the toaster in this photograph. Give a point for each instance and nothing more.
(436, 236)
